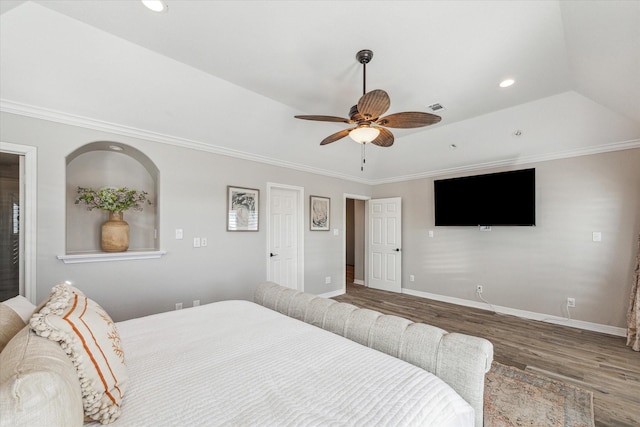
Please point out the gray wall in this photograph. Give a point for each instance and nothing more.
(526, 268)
(192, 194)
(536, 268)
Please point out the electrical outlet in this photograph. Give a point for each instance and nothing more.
(178, 306)
(196, 302)
(571, 302)
(203, 241)
(479, 289)
(327, 280)
(412, 278)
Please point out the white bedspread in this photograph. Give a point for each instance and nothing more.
(237, 363)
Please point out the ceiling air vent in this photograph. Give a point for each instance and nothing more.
(436, 107)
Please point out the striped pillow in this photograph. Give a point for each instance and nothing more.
(90, 338)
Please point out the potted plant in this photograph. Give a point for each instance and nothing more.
(115, 231)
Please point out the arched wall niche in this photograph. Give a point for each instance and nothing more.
(110, 164)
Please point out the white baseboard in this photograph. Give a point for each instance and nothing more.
(335, 293)
(358, 282)
(579, 324)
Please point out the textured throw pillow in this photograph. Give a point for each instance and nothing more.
(14, 315)
(90, 338)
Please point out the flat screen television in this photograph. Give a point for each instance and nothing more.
(504, 198)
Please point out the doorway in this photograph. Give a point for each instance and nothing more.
(17, 221)
(11, 242)
(355, 241)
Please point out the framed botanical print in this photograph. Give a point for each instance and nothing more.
(242, 208)
(319, 211)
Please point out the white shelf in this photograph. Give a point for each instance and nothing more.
(109, 256)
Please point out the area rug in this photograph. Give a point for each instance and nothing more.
(517, 398)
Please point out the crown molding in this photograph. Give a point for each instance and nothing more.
(18, 108)
(21, 109)
(599, 149)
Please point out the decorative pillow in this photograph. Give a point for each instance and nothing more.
(90, 338)
(14, 315)
(38, 384)
(22, 306)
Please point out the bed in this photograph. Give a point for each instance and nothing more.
(277, 361)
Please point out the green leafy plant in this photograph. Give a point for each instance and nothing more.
(112, 199)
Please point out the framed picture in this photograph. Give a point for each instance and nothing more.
(319, 211)
(242, 208)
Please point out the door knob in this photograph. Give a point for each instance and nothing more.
(272, 254)
(397, 249)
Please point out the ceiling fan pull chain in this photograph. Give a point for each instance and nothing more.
(362, 159)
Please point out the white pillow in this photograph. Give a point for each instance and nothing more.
(90, 338)
(14, 315)
(21, 306)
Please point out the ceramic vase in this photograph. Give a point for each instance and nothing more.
(115, 233)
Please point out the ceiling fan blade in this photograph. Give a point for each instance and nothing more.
(385, 139)
(373, 104)
(325, 119)
(336, 136)
(410, 119)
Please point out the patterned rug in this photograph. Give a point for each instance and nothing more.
(517, 398)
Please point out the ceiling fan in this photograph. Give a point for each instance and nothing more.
(369, 126)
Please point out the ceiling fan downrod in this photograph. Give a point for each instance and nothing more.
(364, 57)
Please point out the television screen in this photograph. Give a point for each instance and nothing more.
(504, 198)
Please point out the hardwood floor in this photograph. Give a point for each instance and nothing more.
(590, 360)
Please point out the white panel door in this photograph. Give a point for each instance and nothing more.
(385, 244)
(283, 237)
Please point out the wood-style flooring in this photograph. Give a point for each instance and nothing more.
(590, 360)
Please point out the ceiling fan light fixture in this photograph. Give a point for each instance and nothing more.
(364, 134)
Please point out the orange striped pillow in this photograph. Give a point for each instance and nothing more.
(90, 338)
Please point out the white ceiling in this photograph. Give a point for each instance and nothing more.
(228, 76)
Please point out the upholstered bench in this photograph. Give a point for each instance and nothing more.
(459, 360)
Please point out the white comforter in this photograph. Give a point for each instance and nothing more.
(237, 363)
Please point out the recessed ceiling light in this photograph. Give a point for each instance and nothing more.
(155, 5)
(507, 82)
